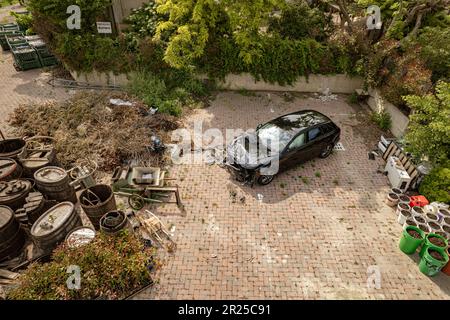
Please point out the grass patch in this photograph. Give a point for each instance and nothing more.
(318, 174)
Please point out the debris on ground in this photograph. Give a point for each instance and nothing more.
(326, 95)
(85, 127)
(120, 102)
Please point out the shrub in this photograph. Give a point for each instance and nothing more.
(382, 119)
(168, 91)
(25, 21)
(111, 268)
(436, 53)
(353, 98)
(436, 185)
(90, 52)
(428, 134)
(299, 21)
(280, 60)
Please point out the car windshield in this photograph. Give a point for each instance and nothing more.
(273, 137)
(276, 134)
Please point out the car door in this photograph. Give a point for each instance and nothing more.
(316, 141)
(296, 152)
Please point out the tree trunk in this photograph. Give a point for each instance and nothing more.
(344, 14)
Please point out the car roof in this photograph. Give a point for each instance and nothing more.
(300, 120)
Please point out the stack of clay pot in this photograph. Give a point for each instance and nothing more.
(418, 215)
(392, 198)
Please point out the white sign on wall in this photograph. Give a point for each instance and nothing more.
(104, 27)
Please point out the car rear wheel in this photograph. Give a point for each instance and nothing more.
(265, 180)
(326, 151)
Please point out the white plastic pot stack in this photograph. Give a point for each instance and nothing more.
(392, 199)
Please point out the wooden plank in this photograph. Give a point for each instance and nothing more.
(388, 151)
(8, 274)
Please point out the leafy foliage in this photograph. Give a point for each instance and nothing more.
(144, 20)
(382, 119)
(91, 52)
(405, 18)
(111, 267)
(398, 72)
(428, 133)
(24, 21)
(436, 185)
(298, 21)
(436, 53)
(169, 95)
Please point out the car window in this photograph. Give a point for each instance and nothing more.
(313, 134)
(297, 142)
(327, 128)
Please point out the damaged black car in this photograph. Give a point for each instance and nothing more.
(281, 144)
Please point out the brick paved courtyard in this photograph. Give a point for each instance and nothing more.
(309, 238)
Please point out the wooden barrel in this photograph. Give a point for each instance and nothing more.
(55, 184)
(113, 222)
(54, 225)
(9, 169)
(96, 202)
(33, 160)
(12, 237)
(80, 236)
(13, 193)
(10, 148)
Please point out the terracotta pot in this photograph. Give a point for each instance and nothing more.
(392, 199)
(446, 268)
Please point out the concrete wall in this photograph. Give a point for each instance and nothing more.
(399, 120)
(315, 83)
(101, 79)
(122, 9)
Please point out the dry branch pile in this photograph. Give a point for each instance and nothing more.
(88, 126)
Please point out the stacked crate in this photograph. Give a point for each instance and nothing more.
(8, 30)
(25, 57)
(15, 41)
(45, 56)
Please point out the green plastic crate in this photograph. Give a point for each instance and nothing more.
(15, 41)
(9, 27)
(41, 48)
(49, 61)
(26, 58)
(3, 38)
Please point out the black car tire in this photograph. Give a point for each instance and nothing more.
(327, 151)
(265, 180)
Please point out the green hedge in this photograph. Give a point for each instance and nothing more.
(280, 60)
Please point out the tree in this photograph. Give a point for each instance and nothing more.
(191, 23)
(298, 21)
(436, 185)
(436, 53)
(406, 17)
(428, 135)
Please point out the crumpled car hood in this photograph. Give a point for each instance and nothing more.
(244, 152)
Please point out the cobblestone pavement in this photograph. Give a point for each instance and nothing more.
(18, 88)
(309, 238)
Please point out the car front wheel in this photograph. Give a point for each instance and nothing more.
(265, 180)
(327, 151)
